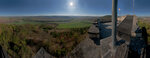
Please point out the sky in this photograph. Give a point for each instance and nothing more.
(72, 7)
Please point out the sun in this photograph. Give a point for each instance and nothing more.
(71, 4)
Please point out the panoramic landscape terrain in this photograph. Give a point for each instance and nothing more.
(22, 37)
(74, 29)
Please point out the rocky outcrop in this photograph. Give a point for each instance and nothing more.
(3, 53)
(86, 49)
(42, 53)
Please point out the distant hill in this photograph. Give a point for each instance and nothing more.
(47, 18)
(106, 18)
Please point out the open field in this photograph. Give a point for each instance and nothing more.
(22, 37)
(74, 25)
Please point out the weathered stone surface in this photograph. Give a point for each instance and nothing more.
(127, 28)
(86, 49)
(43, 54)
(3, 53)
(126, 25)
(93, 29)
(106, 48)
(105, 44)
(122, 51)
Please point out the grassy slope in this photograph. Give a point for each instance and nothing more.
(74, 25)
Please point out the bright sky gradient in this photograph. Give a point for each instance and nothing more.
(71, 7)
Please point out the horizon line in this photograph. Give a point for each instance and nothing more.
(63, 15)
(54, 15)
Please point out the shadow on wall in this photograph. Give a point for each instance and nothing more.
(105, 32)
(144, 51)
(96, 41)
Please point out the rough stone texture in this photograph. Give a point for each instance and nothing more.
(126, 25)
(122, 51)
(126, 38)
(86, 49)
(134, 25)
(106, 48)
(3, 53)
(43, 54)
(93, 29)
(106, 43)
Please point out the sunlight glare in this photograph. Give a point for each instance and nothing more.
(71, 3)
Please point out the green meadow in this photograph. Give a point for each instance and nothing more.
(74, 25)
